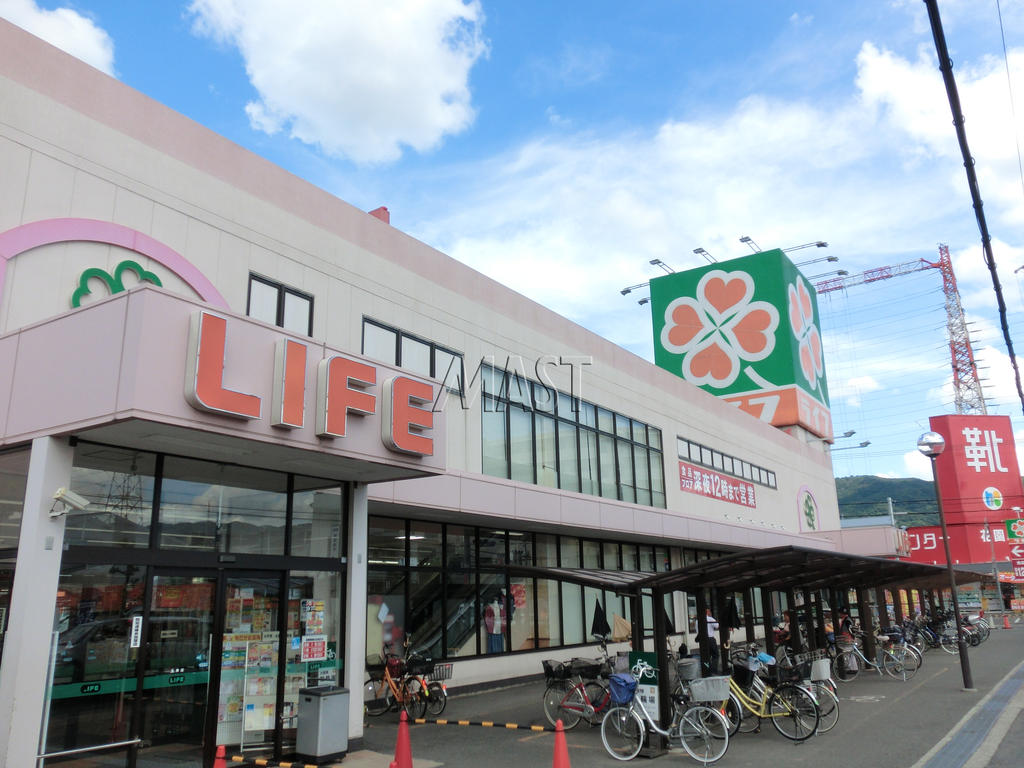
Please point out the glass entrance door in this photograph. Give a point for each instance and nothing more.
(176, 676)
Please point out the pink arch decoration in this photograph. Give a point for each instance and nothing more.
(27, 236)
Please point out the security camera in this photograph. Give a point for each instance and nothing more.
(70, 499)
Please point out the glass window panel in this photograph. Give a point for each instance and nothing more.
(312, 610)
(521, 444)
(492, 547)
(589, 472)
(426, 612)
(639, 432)
(654, 437)
(683, 448)
(448, 369)
(605, 420)
(621, 426)
(612, 607)
(630, 561)
(385, 541)
(706, 456)
(519, 391)
(570, 552)
(609, 479)
(593, 600)
(385, 587)
(611, 556)
(92, 617)
(415, 355)
(718, 459)
(522, 598)
(662, 561)
(119, 486)
(492, 380)
(316, 519)
(520, 548)
(695, 451)
(461, 615)
(13, 474)
(567, 406)
(572, 614)
(647, 562)
(380, 343)
(657, 481)
(591, 554)
(425, 544)
(263, 301)
(494, 629)
(588, 414)
(643, 481)
(494, 440)
(647, 603)
(547, 459)
(543, 398)
(549, 633)
(298, 313)
(727, 464)
(547, 550)
(222, 507)
(627, 491)
(771, 479)
(568, 464)
(689, 557)
(460, 547)
(670, 613)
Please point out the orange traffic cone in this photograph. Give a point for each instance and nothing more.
(403, 750)
(220, 759)
(561, 748)
(1006, 621)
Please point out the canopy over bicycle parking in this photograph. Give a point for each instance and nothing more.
(787, 569)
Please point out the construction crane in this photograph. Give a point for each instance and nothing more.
(967, 394)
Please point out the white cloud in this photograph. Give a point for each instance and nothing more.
(917, 465)
(359, 79)
(64, 28)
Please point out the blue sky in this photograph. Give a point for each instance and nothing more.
(560, 147)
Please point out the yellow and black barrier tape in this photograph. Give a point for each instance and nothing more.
(483, 724)
(263, 762)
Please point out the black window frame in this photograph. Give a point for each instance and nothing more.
(282, 291)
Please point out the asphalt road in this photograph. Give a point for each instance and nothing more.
(884, 723)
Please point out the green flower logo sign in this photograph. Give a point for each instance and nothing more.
(808, 510)
(805, 331)
(115, 283)
(719, 328)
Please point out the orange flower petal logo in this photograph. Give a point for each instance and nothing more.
(801, 318)
(719, 328)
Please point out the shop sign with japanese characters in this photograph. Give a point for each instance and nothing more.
(714, 485)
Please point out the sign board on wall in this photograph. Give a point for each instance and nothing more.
(968, 543)
(707, 482)
(978, 474)
(746, 330)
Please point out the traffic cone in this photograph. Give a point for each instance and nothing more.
(220, 759)
(1006, 621)
(403, 750)
(561, 748)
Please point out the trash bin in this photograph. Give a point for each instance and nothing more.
(323, 724)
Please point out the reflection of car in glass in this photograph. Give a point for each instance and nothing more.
(98, 650)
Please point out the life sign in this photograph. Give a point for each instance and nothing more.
(345, 386)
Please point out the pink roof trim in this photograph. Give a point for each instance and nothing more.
(28, 236)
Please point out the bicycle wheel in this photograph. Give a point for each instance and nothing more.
(828, 705)
(949, 643)
(413, 701)
(793, 712)
(983, 630)
(437, 698)
(597, 701)
(377, 697)
(845, 667)
(900, 663)
(704, 733)
(622, 733)
(562, 701)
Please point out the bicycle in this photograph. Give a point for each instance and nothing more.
(388, 688)
(792, 709)
(892, 656)
(701, 730)
(574, 690)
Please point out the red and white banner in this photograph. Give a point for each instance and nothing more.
(978, 475)
(707, 482)
(968, 543)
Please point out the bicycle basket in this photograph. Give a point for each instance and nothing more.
(710, 689)
(787, 674)
(420, 665)
(556, 670)
(820, 669)
(622, 687)
(688, 669)
(586, 668)
(396, 667)
(743, 676)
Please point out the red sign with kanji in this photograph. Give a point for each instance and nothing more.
(707, 482)
(978, 474)
(1018, 569)
(968, 543)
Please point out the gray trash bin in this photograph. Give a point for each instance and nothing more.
(323, 723)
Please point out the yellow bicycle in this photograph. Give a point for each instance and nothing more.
(791, 708)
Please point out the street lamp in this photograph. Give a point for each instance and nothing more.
(932, 444)
(863, 444)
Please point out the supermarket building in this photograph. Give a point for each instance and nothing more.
(301, 434)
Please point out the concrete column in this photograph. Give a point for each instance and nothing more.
(26, 662)
(355, 608)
